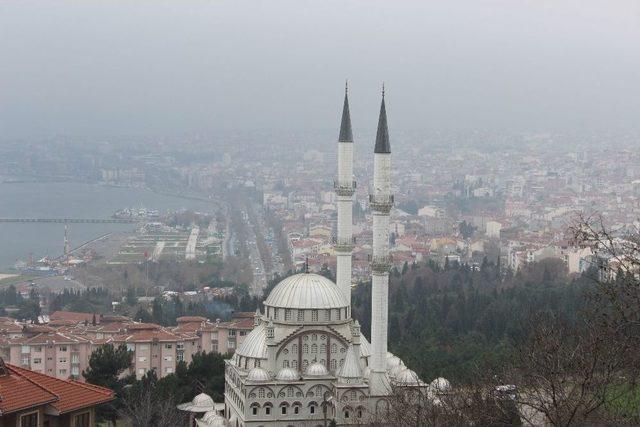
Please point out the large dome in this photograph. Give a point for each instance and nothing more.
(306, 291)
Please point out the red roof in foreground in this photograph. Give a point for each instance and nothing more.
(18, 392)
(63, 395)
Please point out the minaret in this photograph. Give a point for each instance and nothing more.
(345, 187)
(380, 201)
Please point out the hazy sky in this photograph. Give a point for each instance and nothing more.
(151, 67)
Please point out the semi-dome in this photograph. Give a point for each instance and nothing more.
(350, 370)
(317, 369)
(440, 385)
(287, 374)
(258, 374)
(306, 291)
(407, 377)
(254, 345)
(396, 370)
(393, 361)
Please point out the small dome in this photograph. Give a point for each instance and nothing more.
(306, 291)
(288, 374)
(393, 361)
(200, 403)
(407, 377)
(258, 374)
(440, 385)
(254, 345)
(213, 419)
(317, 369)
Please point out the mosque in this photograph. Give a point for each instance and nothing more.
(306, 361)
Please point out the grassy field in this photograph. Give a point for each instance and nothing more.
(12, 280)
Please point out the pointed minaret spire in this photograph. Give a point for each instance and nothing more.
(381, 202)
(382, 136)
(345, 187)
(346, 135)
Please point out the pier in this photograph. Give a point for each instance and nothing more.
(72, 220)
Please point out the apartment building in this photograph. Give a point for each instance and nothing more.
(63, 350)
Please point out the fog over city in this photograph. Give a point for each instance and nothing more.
(327, 213)
(157, 68)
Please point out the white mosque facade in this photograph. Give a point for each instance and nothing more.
(306, 353)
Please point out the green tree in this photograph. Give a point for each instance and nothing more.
(107, 368)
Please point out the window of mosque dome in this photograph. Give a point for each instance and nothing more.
(314, 315)
(300, 315)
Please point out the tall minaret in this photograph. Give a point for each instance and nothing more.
(345, 187)
(381, 201)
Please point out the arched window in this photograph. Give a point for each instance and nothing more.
(314, 348)
(261, 393)
(353, 395)
(305, 364)
(254, 408)
(314, 337)
(294, 349)
(346, 413)
(314, 315)
(334, 348)
(333, 364)
(294, 364)
(312, 407)
(283, 408)
(287, 314)
(285, 363)
(305, 348)
(289, 391)
(323, 348)
(275, 314)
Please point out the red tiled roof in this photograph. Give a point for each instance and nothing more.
(71, 395)
(18, 392)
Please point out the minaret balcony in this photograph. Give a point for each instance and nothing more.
(381, 203)
(343, 244)
(381, 264)
(344, 188)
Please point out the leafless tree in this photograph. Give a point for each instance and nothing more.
(143, 407)
(585, 372)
